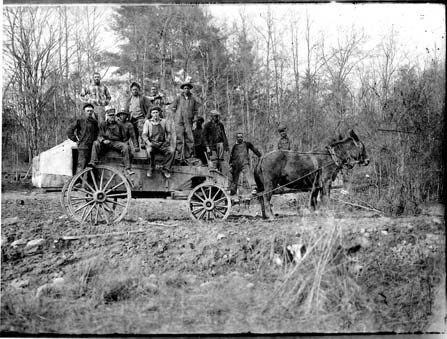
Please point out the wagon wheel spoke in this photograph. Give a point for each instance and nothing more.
(94, 180)
(220, 200)
(115, 202)
(215, 195)
(201, 214)
(115, 187)
(101, 179)
(218, 211)
(84, 206)
(106, 216)
(84, 180)
(108, 182)
(88, 213)
(197, 196)
(96, 214)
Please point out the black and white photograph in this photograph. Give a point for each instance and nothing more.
(223, 168)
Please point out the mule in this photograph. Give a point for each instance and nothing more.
(312, 172)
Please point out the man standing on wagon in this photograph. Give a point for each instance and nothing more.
(240, 162)
(215, 139)
(185, 107)
(111, 136)
(84, 131)
(157, 137)
(138, 106)
(98, 95)
(129, 132)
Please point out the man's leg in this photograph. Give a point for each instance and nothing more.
(100, 113)
(168, 157)
(140, 125)
(220, 155)
(189, 138)
(250, 178)
(234, 179)
(96, 150)
(125, 152)
(180, 131)
(150, 158)
(83, 158)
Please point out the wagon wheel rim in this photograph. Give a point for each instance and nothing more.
(209, 202)
(98, 195)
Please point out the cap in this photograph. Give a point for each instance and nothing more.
(87, 105)
(135, 84)
(156, 108)
(186, 84)
(109, 108)
(281, 128)
(214, 112)
(122, 111)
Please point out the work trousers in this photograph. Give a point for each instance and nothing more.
(164, 149)
(120, 146)
(235, 171)
(199, 152)
(83, 158)
(100, 112)
(138, 126)
(217, 155)
(185, 138)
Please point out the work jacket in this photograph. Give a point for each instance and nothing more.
(83, 131)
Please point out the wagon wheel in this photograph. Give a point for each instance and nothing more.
(209, 202)
(98, 195)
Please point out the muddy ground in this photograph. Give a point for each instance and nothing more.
(361, 271)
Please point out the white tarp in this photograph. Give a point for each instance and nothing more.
(57, 161)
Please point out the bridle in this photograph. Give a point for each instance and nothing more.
(339, 161)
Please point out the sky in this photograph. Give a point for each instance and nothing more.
(419, 26)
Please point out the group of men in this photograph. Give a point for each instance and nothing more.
(140, 124)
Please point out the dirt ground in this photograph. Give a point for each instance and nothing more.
(164, 273)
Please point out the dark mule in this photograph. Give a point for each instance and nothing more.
(307, 172)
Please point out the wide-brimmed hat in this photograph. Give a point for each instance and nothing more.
(214, 112)
(186, 84)
(87, 105)
(135, 84)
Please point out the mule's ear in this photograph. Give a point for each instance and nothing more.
(353, 135)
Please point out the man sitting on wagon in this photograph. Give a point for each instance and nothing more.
(129, 132)
(84, 131)
(111, 136)
(157, 137)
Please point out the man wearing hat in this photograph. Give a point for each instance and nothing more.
(185, 107)
(240, 163)
(199, 145)
(111, 136)
(215, 139)
(138, 106)
(97, 95)
(129, 132)
(84, 131)
(157, 137)
(284, 141)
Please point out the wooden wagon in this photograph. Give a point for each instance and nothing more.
(103, 194)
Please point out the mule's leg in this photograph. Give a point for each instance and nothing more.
(260, 187)
(313, 198)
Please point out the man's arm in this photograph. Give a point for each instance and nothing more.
(206, 135)
(71, 131)
(84, 91)
(225, 140)
(107, 94)
(195, 109)
(174, 105)
(145, 135)
(254, 149)
(102, 132)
